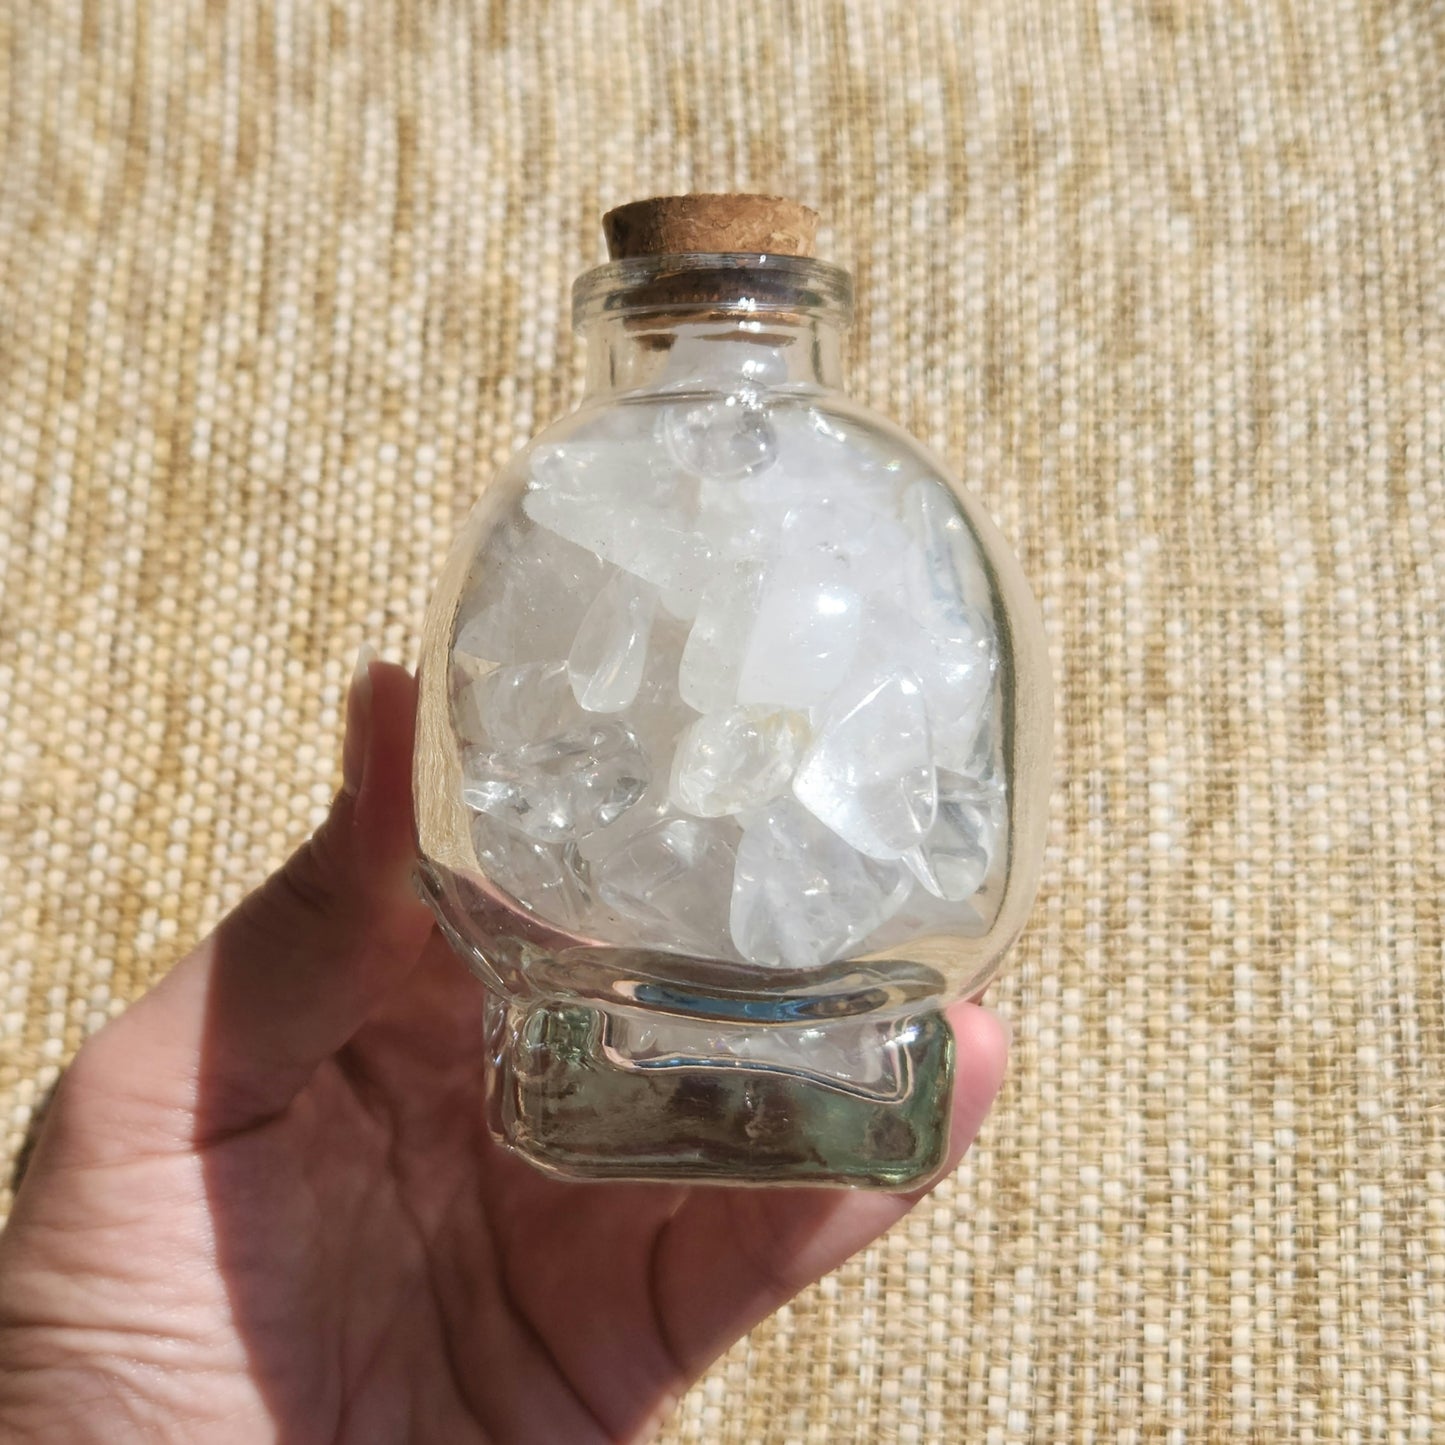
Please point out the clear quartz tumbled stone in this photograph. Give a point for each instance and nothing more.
(518, 705)
(550, 879)
(620, 498)
(953, 860)
(720, 437)
(672, 881)
(727, 616)
(869, 774)
(801, 895)
(562, 788)
(804, 634)
(607, 655)
(499, 619)
(730, 761)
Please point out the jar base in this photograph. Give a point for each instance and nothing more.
(593, 1093)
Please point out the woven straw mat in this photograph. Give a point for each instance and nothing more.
(281, 284)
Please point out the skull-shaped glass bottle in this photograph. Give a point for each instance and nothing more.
(733, 744)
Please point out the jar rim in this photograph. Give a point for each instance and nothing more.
(737, 284)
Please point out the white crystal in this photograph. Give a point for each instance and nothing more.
(623, 499)
(869, 772)
(701, 358)
(681, 602)
(713, 657)
(735, 527)
(729, 761)
(946, 584)
(653, 807)
(605, 663)
(870, 550)
(803, 636)
(548, 879)
(924, 916)
(957, 676)
(559, 788)
(529, 593)
(811, 504)
(658, 715)
(820, 456)
(720, 436)
(524, 704)
(801, 896)
(954, 671)
(671, 883)
(953, 861)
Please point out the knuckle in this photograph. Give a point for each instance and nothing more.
(305, 882)
(308, 889)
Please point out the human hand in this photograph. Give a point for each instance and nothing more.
(265, 1205)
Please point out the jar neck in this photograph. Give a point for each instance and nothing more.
(712, 322)
(720, 354)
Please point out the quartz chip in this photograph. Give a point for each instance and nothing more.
(607, 656)
(657, 714)
(500, 619)
(923, 916)
(732, 760)
(720, 436)
(870, 550)
(954, 859)
(672, 882)
(869, 773)
(561, 788)
(712, 659)
(548, 879)
(945, 582)
(955, 671)
(801, 896)
(803, 636)
(522, 704)
(631, 506)
(818, 457)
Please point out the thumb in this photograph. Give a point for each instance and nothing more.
(238, 1027)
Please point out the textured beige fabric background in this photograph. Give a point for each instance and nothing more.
(281, 282)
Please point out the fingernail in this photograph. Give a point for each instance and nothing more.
(358, 721)
(1003, 1023)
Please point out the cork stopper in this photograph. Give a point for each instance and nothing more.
(678, 225)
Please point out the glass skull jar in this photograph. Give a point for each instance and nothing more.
(732, 755)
